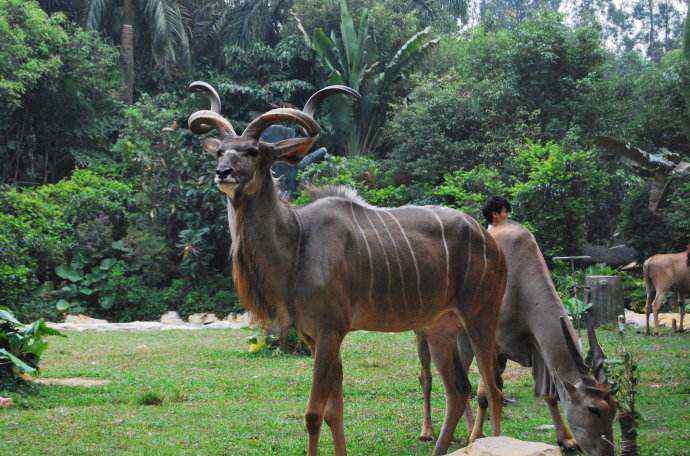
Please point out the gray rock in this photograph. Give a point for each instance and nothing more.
(202, 318)
(171, 318)
(507, 446)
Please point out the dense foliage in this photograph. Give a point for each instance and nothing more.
(21, 346)
(108, 206)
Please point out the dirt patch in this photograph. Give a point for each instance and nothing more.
(72, 381)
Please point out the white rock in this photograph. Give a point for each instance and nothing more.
(6, 402)
(171, 318)
(545, 427)
(202, 318)
(83, 320)
(507, 446)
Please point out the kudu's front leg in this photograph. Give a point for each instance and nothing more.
(326, 398)
(564, 437)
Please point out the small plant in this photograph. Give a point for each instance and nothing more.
(263, 342)
(21, 346)
(623, 372)
(150, 398)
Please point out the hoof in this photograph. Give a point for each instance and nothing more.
(475, 437)
(426, 437)
(569, 445)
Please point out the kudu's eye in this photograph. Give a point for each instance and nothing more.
(594, 410)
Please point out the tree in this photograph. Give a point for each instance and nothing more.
(57, 85)
(348, 62)
(163, 19)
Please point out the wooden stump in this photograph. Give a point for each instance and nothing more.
(606, 296)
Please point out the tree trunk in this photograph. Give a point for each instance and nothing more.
(128, 50)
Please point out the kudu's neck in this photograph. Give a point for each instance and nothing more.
(262, 218)
(266, 236)
(546, 329)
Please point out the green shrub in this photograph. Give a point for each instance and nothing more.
(21, 346)
(365, 174)
(555, 191)
(666, 230)
(468, 190)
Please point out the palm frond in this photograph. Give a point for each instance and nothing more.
(170, 38)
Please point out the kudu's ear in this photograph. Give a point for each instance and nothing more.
(211, 146)
(291, 151)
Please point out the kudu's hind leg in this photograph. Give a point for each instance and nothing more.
(681, 310)
(656, 306)
(427, 433)
(445, 355)
(325, 400)
(651, 292)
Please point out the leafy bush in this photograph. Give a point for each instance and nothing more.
(364, 174)
(51, 233)
(21, 346)
(467, 191)
(555, 191)
(665, 230)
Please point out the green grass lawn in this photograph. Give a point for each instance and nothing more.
(218, 399)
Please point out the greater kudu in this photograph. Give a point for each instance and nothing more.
(339, 265)
(533, 330)
(663, 273)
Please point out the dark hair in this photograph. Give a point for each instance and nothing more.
(494, 204)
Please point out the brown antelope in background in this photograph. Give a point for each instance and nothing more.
(664, 273)
(533, 330)
(339, 265)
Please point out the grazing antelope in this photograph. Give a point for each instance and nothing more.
(664, 273)
(339, 265)
(533, 330)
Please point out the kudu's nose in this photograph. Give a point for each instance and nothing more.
(223, 173)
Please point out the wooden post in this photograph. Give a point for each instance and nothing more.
(606, 296)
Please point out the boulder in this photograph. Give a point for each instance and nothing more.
(202, 318)
(171, 318)
(239, 318)
(507, 446)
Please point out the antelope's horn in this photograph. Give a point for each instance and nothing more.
(597, 354)
(318, 97)
(261, 123)
(203, 87)
(206, 120)
(572, 347)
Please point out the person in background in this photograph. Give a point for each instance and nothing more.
(496, 210)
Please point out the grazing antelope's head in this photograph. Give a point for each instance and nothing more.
(589, 406)
(244, 162)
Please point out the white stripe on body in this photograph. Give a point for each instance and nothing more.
(385, 255)
(371, 262)
(445, 247)
(414, 259)
(469, 253)
(397, 255)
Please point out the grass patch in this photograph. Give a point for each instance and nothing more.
(213, 398)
